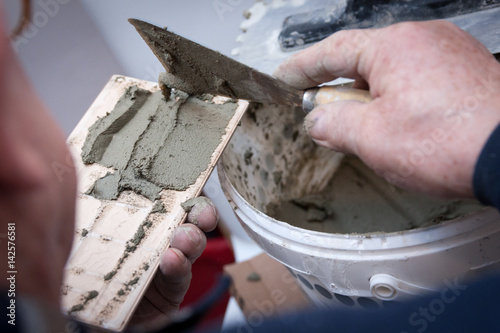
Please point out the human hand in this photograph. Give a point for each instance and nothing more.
(35, 195)
(171, 282)
(436, 94)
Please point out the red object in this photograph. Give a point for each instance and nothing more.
(206, 270)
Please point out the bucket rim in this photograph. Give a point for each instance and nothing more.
(475, 225)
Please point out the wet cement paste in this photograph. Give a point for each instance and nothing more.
(356, 200)
(277, 168)
(154, 143)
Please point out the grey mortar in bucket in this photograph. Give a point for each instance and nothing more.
(336, 224)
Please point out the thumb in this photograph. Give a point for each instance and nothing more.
(338, 125)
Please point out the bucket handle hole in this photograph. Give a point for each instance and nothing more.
(384, 291)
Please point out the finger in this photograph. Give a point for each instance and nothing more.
(339, 126)
(166, 292)
(203, 214)
(172, 280)
(190, 240)
(175, 267)
(336, 56)
(151, 308)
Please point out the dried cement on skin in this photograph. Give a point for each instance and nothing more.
(153, 143)
(195, 206)
(200, 202)
(358, 201)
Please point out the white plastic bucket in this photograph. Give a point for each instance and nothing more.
(365, 270)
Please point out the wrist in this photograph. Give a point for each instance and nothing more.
(486, 178)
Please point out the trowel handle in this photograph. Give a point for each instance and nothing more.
(327, 94)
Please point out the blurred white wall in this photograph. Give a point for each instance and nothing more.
(74, 46)
(213, 23)
(64, 55)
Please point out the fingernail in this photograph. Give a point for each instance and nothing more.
(179, 254)
(192, 233)
(199, 207)
(278, 71)
(313, 124)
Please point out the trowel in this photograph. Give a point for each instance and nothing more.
(310, 24)
(198, 70)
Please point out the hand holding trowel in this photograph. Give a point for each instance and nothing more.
(198, 70)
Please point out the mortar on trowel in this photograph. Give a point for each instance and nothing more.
(348, 237)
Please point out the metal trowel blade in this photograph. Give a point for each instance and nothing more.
(198, 70)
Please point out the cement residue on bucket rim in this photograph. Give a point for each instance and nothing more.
(349, 244)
